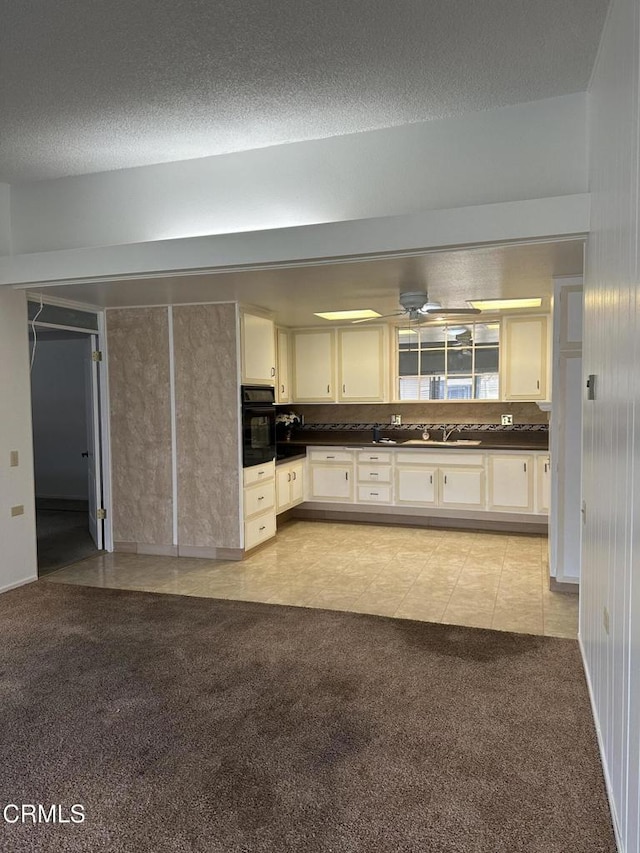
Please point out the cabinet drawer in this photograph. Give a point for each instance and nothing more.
(331, 456)
(259, 498)
(374, 473)
(382, 457)
(258, 473)
(374, 494)
(259, 529)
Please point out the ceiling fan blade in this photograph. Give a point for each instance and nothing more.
(376, 319)
(453, 312)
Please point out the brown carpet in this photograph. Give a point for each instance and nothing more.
(192, 724)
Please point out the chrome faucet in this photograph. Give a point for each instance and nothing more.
(446, 433)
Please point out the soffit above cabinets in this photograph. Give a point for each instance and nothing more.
(294, 294)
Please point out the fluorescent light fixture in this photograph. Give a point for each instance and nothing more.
(504, 304)
(361, 314)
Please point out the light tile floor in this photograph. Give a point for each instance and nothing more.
(488, 580)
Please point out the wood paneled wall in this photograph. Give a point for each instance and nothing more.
(610, 588)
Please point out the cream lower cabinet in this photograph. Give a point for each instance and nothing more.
(259, 496)
(289, 485)
(511, 482)
(331, 474)
(440, 479)
(462, 488)
(460, 481)
(543, 484)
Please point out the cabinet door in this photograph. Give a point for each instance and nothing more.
(282, 376)
(544, 483)
(258, 350)
(361, 364)
(331, 482)
(313, 366)
(297, 483)
(416, 486)
(283, 487)
(511, 483)
(524, 358)
(462, 487)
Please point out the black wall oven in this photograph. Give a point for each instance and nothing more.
(258, 424)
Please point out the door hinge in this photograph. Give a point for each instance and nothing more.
(96, 355)
(101, 514)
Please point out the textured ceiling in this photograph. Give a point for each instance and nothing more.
(91, 85)
(295, 293)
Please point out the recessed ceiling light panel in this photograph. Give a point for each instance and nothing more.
(505, 304)
(361, 314)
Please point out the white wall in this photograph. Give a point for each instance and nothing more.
(17, 535)
(611, 436)
(60, 418)
(5, 219)
(528, 151)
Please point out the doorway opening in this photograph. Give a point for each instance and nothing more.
(65, 402)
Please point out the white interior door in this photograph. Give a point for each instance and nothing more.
(94, 471)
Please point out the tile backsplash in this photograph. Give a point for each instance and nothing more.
(419, 413)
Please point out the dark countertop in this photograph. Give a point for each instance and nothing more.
(499, 440)
(296, 453)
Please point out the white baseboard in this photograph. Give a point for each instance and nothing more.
(605, 769)
(16, 584)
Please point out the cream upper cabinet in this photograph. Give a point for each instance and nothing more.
(314, 366)
(362, 364)
(258, 349)
(283, 391)
(524, 358)
(511, 479)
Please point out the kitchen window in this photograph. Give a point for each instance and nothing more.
(449, 362)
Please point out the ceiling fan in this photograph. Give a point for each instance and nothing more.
(416, 307)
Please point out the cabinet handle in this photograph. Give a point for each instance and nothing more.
(260, 473)
(260, 497)
(329, 457)
(373, 494)
(525, 467)
(328, 389)
(546, 467)
(373, 473)
(445, 479)
(538, 384)
(273, 371)
(346, 475)
(264, 527)
(288, 478)
(431, 479)
(282, 389)
(344, 389)
(295, 476)
(371, 458)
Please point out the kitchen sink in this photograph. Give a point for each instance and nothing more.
(460, 442)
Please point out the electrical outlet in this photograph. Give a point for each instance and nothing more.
(396, 420)
(506, 420)
(17, 510)
(14, 459)
(605, 618)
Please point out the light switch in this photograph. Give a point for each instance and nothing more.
(14, 459)
(17, 510)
